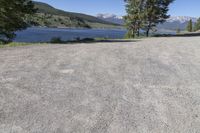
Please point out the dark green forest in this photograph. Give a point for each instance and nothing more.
(51, 17)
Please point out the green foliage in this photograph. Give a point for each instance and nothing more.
(146, 14)
(197, 25)
(45, 8)
(14, 44)
(189, 27)
(178, 31)
(66, 19)
(56, 40)
(1, 43)
(13, 14)
(129, 35)
(134, 17)
(155, 13)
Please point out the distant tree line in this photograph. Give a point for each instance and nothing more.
(13, 15)
(190, 26)
(145, 15)
(193, 27)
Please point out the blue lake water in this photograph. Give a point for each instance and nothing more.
(38, 34)
(45, 34)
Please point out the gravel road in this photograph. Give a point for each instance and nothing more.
(147, 86)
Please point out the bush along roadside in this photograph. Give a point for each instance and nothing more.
(58, 40)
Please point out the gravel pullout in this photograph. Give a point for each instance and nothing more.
(147, 86)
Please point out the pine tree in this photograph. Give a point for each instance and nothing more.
(145, 14)
(197, 25)
(155, 13)
(13, 15)
(189, 27)
(134, 17)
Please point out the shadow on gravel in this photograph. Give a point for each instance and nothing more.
(178, 35)
(117, 41)
(91, 40)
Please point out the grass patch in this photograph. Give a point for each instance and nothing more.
(58, 40)
(14, 44)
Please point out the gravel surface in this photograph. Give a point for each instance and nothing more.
(148, 86)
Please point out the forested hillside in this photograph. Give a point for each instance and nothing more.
(51, 17)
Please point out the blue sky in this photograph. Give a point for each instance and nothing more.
(93, 7)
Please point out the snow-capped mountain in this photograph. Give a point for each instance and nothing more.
(108, 15)
(177, 22)
(172, 23)
(181, 19)
(111, 18)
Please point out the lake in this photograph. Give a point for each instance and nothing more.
(38, 34)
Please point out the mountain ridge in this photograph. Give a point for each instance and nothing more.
(172, 23)
(49, 16)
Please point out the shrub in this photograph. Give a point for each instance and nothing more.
(129, 35)
(77, 39)
(1, 42)
(56, 40)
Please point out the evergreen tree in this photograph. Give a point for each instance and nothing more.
(155, 13)
(197, 25)
(13, 15)
(134, 9)
(145, 14)
(189, 26)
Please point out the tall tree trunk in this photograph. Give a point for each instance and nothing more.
(132, 34)
(138, 32)
(147, 33)
(148, 29)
